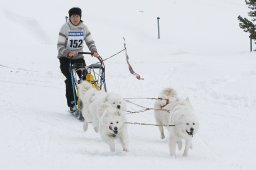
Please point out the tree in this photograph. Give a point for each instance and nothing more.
(247, 25)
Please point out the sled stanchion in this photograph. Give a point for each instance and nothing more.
(102, 80)
(96, 78)
(73, 84)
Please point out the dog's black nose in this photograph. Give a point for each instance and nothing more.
(192, 130)
(118, 106)
(115, 130)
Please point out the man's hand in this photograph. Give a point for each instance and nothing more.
(95, 54)
(72, 54)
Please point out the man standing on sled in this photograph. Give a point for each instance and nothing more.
(71, 40)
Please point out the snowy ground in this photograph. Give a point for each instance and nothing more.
(202, 53)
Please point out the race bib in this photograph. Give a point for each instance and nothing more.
(75, 40)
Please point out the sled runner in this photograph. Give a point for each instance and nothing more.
(94, 73)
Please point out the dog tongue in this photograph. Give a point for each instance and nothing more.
(190, 133)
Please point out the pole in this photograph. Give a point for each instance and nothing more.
(66, 18)
(158, 27)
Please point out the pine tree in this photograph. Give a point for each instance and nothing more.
(246, 24)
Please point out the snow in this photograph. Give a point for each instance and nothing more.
(202, 53)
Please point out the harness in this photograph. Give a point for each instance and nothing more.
(167, 102)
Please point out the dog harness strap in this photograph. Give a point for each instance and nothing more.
(167, 102)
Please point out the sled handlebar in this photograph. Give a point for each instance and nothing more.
(85, 53)
(91, 53)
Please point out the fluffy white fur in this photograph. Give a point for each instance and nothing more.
(83, 87)
(167, 98)
(87, 93)
(112, 126)
(177, 112)
(96, 108)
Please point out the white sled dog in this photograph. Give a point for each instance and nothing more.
(112, 126)
(167, 97)
(96, 108)
(171, 110)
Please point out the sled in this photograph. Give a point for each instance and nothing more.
(93, 73)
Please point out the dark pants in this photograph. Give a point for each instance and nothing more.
(65, 69)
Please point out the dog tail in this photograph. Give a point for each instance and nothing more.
(169, 92)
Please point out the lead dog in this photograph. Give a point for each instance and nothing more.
(171, 110)
(96, 108)
(112, 127)
(167, 97)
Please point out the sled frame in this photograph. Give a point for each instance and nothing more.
(98, 72)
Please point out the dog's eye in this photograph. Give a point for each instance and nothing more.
(193, 123)
(187, 123)
(111, 123)
(117, 122)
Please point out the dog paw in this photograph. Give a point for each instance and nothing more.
(162, 136)
(125, 149)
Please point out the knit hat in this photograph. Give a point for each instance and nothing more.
(75, 11)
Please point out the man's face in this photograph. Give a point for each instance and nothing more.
(75, 19)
